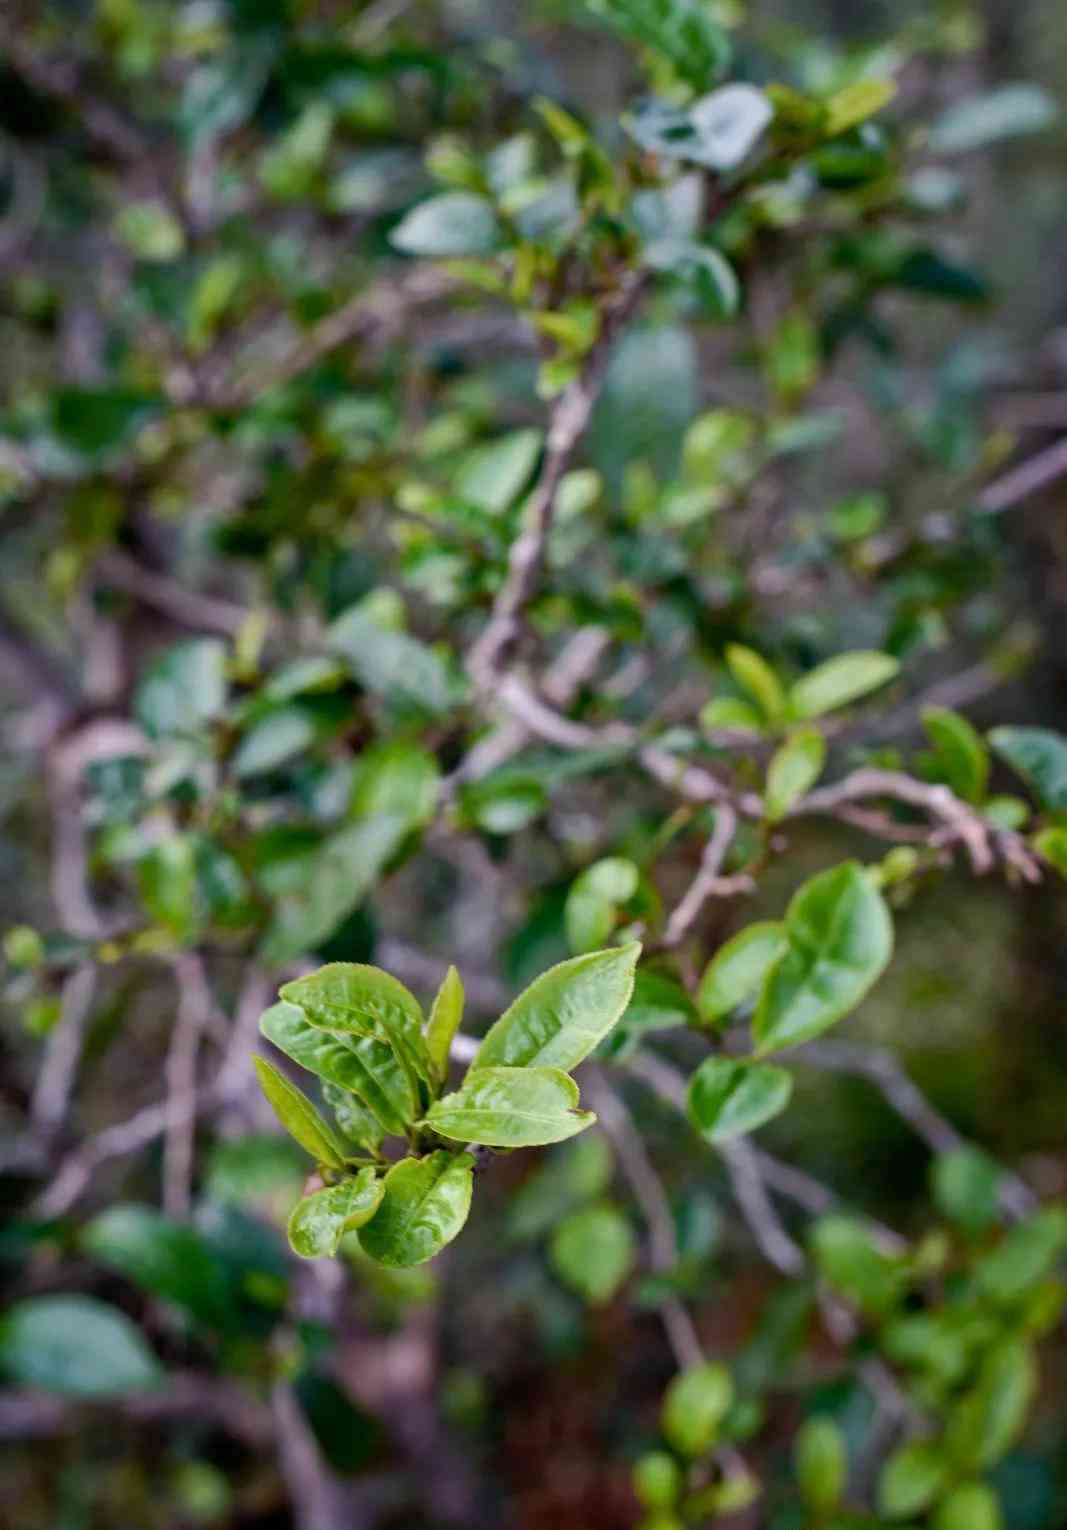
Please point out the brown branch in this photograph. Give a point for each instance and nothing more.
(55, 1081)
(650, 1195)
(496, 646)
(708, 883)
(1030, 477)
(195, 1006)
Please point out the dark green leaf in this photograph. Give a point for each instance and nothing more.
(394, 664)
(168, 1259)
(76, 1346)
(961, 756)
(1040, 757)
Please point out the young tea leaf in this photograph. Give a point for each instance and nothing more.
(511, 1107)
(841, 680)
(737, 969)
(425, 1204)
(839, 938)
(564, 1013)
(299, 1117)
(793, 770)
(366, 1066)
(593, 1251)
(319, 1221)
(446, 1016)
(728, 1097)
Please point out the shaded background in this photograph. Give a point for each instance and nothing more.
(505, 1403)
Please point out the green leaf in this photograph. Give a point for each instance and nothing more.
(168, 1259)
(971, 1506)
(183, 689)
(564, 1013)
(511, 1107)
(150, 231)
(965, 1184)
(821, 1464)
(353, 997)
(1052, 844)
(696, 1403)
(1024, 1257)
(591, 910)
(730, 714)
(365, 1065)
(961, 755)
(593, 1251)
(854, 103)
(718, 130)
(793, 770)
(504, 802)
(990, 1418)
(400, 780)
(446, 1017)
(355, 1121)
(339, 875)
(848, 1257)
(658, 1003)
(682, 32)
(728, 1097)
(166, 876)
(425, 1205)
(841, 680)
(737, 969)
(76, 1346)
(754, 675)
(1040, 757)
(272, 741)
(299, 1117)
(394, 664)
(454, 223)
(702, 266)
(1007, 111)
(657, 1479)
(320, 1220)
(911, 1479)
(493, 476)
(839, 938)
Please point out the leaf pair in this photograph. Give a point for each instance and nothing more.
(382, 1066)
(769, 704)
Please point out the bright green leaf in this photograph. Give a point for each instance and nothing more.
(696, 1403)
(911, 1479)
(839, 938)
(299, 1117)
(840, 680)
(593, 1252)
(793, 770)
(425, 1204)
(754, 675)
(365, 1065)
(564, 1013)
(446, 1017)
(728, 1097)
(961, 755)
(821, 1463)
(320, 1220)
(511, 1107)
(737, 969)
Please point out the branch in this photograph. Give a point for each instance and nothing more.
(55, 1081)
(1028, 478)
(495, 647)
(883, 1070)
(707, 883)
(195, 1006)
(651, 1197)
(189, 608)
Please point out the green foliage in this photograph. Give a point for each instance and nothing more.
(728, 1098)
(593, 1252)
(694, 1407)
(76, 1346)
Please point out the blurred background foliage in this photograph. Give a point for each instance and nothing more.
(199, 435)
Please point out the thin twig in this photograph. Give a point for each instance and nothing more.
(495, 647)
(1030, 477)
(55, 1081)
(194, 1011)
(652, 1198)
(707, 883)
